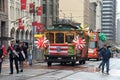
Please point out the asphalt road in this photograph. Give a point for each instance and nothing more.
(40, 71)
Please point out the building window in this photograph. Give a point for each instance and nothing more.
(17, 34)
(59, 38)
(12, 12)
(51, 9)
(2, 5)
(3, 24)
(50, 36)
(44, 8)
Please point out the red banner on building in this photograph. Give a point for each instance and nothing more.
(31, 7)
(39, 27)
(34, 23)
(39, 10)
(23, 4)
(21, 27)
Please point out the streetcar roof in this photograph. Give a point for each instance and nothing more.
(63, 27)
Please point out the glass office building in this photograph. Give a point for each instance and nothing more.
(108, 19)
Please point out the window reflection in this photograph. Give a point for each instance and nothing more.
(92, 44)
(50, 37)
(59, 37)
(69, 38)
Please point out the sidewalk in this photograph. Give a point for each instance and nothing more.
(29, 71)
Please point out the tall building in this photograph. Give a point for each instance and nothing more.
(86, 12)
(95, 14)
(92, 14)
(17, 15)
(48, 17)
(98, 15)
(50, 12)
(109, 19)
(118, 31)
(74, 10)
(3, 19)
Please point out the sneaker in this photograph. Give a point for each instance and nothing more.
(30, 64)
(99, 69)
(10, 73)
(17, 72)
(21, 70)
(102, 71)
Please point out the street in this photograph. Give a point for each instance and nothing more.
(64, 31)
(40, 71)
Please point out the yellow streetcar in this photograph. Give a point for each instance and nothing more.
(61, 48)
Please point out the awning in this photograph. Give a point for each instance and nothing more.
(6, 38)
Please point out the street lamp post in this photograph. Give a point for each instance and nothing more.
(33, 28)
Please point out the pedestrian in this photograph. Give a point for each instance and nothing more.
(106, 54)
(2, 55)
(99, 67)
(13, 55)
(21, 56)
(30, 57)
(4, 52)
(25, 49)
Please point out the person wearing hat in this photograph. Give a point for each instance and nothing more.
(13, 56)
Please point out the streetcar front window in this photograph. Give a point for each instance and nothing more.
(59, 37)
(92, 45)
(69, 38)
(50, 37)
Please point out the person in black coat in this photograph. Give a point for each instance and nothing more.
(25, 49)
(101, 56)
(21, 56)
(106, 54)
(13, 55)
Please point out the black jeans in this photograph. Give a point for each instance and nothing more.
(11, 64)
(107, 65)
